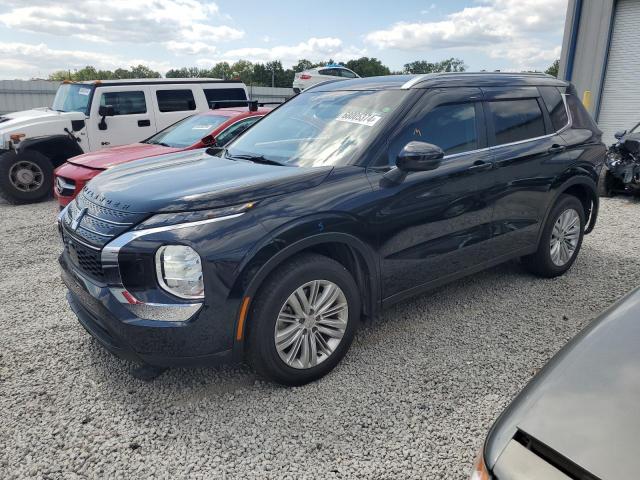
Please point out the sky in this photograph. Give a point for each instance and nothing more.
(41, 36)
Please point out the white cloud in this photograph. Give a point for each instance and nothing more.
(511, 29)
(142, 21)
(22, 60)
(313, 49)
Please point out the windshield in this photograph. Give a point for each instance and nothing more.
(188, 131)
(72, 97)
(318, 128)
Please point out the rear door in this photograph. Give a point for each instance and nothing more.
(528, 155)
(133, 118)
(175, 102)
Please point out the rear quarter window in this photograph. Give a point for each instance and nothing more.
(175, 100)
(225, 95)
(516, 120)
(555, 105)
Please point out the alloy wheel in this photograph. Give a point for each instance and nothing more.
(565, 237)
(26, 176)
(311, 324)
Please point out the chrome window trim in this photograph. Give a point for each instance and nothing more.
(410, 83)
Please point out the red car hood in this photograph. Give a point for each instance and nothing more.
(109, 157)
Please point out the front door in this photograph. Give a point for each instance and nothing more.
(436, 224)
(133, 118)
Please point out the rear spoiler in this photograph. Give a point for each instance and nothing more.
(252, 104)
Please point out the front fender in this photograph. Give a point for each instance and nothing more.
(57, 148)
(304, 234)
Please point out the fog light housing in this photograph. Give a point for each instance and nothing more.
(179, 271)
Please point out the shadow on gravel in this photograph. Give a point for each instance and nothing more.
(501, 309)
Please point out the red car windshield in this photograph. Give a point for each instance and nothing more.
(188, 131)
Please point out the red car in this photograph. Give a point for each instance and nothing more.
(214, 127)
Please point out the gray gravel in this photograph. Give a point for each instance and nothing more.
(412, 399)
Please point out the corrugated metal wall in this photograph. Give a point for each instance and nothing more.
(16, 95)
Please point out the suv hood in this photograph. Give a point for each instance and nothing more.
(109, 157)
(584, 403)
(195, 180)
(11, 122)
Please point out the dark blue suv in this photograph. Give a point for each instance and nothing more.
(350, 197)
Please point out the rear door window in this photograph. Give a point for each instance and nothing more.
(175, 100)
(225, 96)
(555, 105)
(124, 103)
(516, 120)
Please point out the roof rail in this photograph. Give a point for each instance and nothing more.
(252, 104)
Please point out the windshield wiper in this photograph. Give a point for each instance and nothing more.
(256, 159)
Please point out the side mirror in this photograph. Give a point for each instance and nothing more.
(419, 157)
(619, 134)
(208, 141)
(105, 111)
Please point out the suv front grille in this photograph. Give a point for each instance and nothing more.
(85, 258)
(97, 224)
(87, 227)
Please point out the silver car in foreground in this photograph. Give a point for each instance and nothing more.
(579, 417)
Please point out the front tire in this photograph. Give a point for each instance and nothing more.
(605, 183)
(303, 320)
(561, 239)
(25, 177)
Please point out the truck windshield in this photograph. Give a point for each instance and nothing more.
(73, 97)
(188, 131)
(318, 128)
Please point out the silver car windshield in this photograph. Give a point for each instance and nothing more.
(73, 97)
(318, 128)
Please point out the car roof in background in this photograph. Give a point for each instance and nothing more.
(432, 80)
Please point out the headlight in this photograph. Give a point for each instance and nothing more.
(179, 271)
(480, 471)
(186, 218)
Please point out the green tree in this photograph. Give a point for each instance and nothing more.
(553, 69)
(91, 73)
(303, 65)
(367, 67)
(423, 66)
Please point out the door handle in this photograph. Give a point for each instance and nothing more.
(144, 123)
(480, 166)
(555, 148)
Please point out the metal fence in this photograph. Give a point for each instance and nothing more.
(16, 95)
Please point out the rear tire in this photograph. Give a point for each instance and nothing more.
(25, 177)
(561, 239)
(294, 346)
(605, 183)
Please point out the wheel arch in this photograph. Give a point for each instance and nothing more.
(57, 148)
(584, 188)
(348, 250)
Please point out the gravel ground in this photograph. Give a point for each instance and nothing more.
(413, 398)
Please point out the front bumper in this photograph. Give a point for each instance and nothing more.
(75, 175)
(128, 336)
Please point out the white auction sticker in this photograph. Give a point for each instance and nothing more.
(202, 127)
(84, 91)
(368, 119)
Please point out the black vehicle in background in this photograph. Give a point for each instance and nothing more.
(578, 417)
(350, 197)
(622, 172)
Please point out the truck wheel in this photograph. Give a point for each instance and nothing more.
(25, 177)
(303, 320)
(561, 239)
(605, 183)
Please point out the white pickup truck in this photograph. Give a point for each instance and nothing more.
(88, 116)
